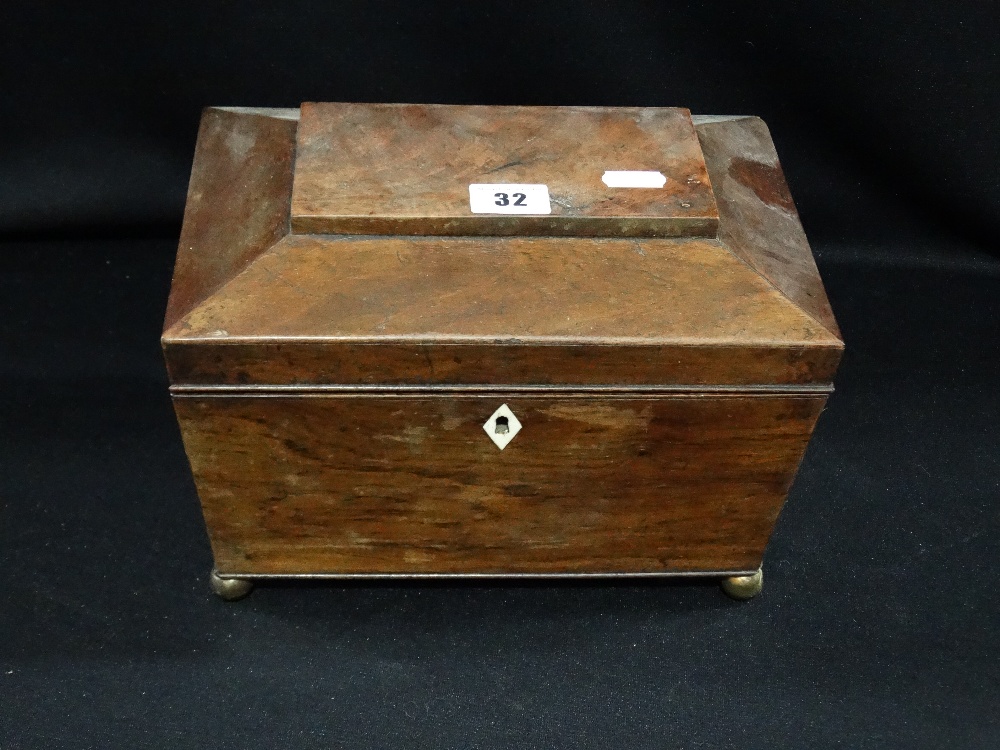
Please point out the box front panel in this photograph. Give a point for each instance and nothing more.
(333, 483)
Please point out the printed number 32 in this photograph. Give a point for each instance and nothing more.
(503, 200)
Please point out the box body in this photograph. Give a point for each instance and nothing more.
(379, 483)
(667, 363)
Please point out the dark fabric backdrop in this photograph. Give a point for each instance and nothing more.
(878, 623)
(884, 113)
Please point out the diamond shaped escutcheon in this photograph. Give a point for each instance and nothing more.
(502, 426)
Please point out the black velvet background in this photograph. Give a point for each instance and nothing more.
(878, 623)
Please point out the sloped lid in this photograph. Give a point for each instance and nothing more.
(487, 170)
(255, 305)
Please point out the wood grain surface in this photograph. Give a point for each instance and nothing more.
(406, 169)
(304, 362)
(412, 484)
(331, 390)
(237, 202)
(419, 310)
(252, 305)
(759, 223)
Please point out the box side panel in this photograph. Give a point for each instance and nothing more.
(361, 484)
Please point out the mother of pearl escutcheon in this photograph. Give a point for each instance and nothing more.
(502, 426)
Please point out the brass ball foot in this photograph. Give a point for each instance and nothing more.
(744, 587)
(230, 589)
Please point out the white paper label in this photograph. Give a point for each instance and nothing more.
(633, 179)
(509, 199)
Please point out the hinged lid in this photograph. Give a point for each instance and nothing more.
(255, 305)
(408, 168)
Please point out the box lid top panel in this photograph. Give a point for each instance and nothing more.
(438, 169)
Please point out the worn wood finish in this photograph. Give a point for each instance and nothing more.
(540, 289)
(322, 309)
(237, 202)
(331, 389)
(406, 168)
(760, 224)
(506, 362)
(412, 484)
(532, 309)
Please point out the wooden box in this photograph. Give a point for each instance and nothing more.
(373, 379)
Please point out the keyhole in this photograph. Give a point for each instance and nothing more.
(503, 426)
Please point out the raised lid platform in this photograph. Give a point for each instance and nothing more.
(406, 169)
